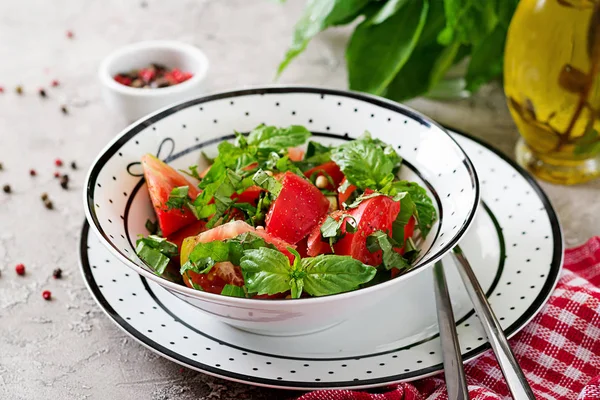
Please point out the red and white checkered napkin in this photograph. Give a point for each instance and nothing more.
(559, 350)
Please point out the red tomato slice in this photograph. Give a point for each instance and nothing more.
(330, 168)
(214, 281)
(299, 207)
(342, 197)
(224, 272)
(185, 232)
(295, 153)
(161, 179)
(249, 195)
(374, 214)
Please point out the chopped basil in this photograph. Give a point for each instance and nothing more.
(233, 291)
(379, 240)
(156, 252)
(192, 171)
(267, 182)
(331, 229)
(152, 227)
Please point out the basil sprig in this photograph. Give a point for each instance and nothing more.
(268, 271)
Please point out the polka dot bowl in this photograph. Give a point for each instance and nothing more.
(117, 203)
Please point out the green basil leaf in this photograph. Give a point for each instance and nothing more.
(152, 227)
(159, 243)
(267, 182)
(416, 76)
(243, 242)
(487, 59)
(364, 163)
(376, 53)
(205, 255)
(330, 274)
(233, 291)
(272, 137)
(266, 271)
(379, 240)
(192, 172)
(152, 256)
(389, 9)
(410, 250)
(407, 210)
(425, 211)
(318, 16)
(315, 149)
(178, 198)
(468, 20)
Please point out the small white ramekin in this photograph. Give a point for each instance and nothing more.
(134, 103)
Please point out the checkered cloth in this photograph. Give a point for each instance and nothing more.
(559, 350)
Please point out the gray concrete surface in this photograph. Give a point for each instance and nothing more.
(67, 348)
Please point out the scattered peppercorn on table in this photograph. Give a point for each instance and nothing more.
(55, 342)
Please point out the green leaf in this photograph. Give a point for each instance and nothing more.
(267, 182)
(243, 242)
(316, 154)
(487, 59)
(379, 240)
(588, 144)
(152, 227)
(192, 172)
(426, 214)
(265, 271)
(205, 255)
(389, 9)
(416, 76)
(376, 53)
(365, 163)
(331, 229)
(152, 257)
(159, 243)
(468, 21)
(407, 210)
(272, 137)
(318, 16)
(178, 198)
(330, 274)
(233, 291)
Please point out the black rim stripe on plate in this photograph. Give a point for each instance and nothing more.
(529, 313)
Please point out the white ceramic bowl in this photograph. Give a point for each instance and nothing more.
(117, 203)
(134, 103)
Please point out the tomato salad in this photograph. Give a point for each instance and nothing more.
(271, 220)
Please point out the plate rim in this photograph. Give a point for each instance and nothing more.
(513, 329)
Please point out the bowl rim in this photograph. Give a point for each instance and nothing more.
(184, 48)
(133, 129)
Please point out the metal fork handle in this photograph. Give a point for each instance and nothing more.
(513, 374)
(456, 382)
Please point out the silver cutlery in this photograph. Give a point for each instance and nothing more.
(456, 382)
(515, 379)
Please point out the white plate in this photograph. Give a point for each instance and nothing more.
(515, 246)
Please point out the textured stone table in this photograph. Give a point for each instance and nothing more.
(67, 348)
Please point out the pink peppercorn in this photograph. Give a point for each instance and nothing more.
(58, 162)
(55, 83)
(20, 269)
(47, 295)
(70, 34)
